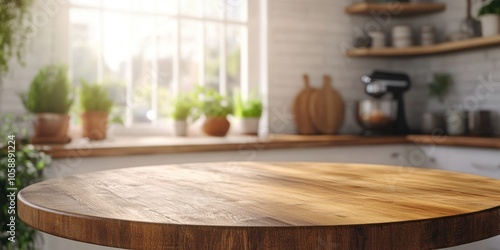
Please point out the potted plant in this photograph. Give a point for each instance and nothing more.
(433, 122)
(247, 113)
(490, 18)
(180, 110)
(215, 107)
(29, 166)
(96, 105)
(49, 98)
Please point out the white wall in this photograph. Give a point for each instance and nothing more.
(308, 37)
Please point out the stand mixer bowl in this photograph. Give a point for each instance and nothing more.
(376, 114)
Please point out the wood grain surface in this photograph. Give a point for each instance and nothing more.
(326, 108)
(395, 8)
(251, 205)
(457, 141)
(300, 109)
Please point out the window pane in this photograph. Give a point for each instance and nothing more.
(214, 9)
(191, 51)
(116, 44)
(92, 3)
(118, 4)
(167, 6)
(234, 38)
(84, 44)
(144, 5)
(236, 10)
(192, 7)
(212, 55)
(143, 68)
(166, 46)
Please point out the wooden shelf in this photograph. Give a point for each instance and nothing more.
(446, 47)
(396, 8)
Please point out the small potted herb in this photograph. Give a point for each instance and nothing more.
(215, 107)
(179, 111)
(49, 98)
(96, 105)
(490, 18)
(247, 113)
(433, 122)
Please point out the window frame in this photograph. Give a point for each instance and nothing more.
(251, 49)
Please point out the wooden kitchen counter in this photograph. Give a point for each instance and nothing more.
(119, 146)
(252, 205)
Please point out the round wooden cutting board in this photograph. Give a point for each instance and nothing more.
(300, 109)
(326, 108)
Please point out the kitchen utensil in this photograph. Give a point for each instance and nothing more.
(378, 84)
(479, 123)
(300, 109)
(327, 108)
(470, 25)
(376, 115)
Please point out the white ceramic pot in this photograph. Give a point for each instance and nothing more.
(490, 24)
(247, 126)
(180, 128)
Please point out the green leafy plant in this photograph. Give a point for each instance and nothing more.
(250, 108)
(441, 86)
(491, 8)
(209, 102)
(14, 31)
(180, 107)
(49, 91)
(94, 97)
(29, 166)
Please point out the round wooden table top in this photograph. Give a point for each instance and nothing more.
(253, 205)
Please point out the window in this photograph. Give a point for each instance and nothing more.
(146, 49)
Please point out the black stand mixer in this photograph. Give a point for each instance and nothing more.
(380, 116)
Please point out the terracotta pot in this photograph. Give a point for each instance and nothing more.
(94, 125)
(51, 125)
(216, 126)
(247, 126)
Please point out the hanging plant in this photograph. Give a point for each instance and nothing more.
(14, 31)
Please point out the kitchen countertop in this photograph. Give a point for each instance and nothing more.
(119, 146)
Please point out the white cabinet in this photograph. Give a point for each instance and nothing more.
(484, 162)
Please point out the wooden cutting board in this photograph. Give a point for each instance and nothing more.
(326, 108)
(300, 109)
